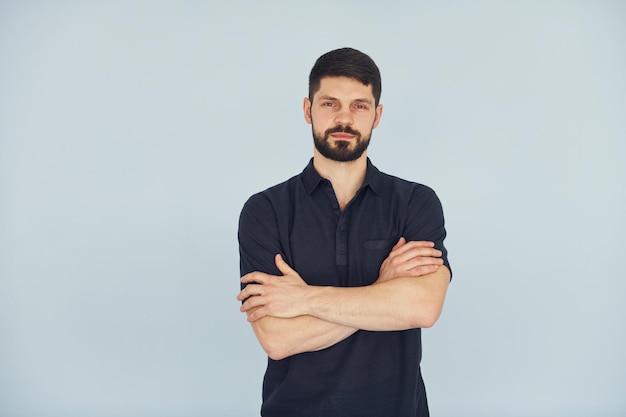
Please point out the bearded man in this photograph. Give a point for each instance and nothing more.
(343, 265)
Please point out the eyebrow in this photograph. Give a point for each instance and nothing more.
(358, 100)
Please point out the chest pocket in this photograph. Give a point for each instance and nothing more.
(373, 253)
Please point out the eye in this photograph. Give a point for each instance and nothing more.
(328, 104)
(360, 106)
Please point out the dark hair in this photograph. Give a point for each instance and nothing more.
(345, 62)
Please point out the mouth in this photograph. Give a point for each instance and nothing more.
(342, 136)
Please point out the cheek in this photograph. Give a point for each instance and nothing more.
(365, 127)
(372, 123)
(321, 121)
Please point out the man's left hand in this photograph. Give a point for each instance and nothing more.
(274, 295)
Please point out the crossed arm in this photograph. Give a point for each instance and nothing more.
(289, 317)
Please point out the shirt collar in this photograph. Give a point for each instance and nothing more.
(373, 178)
(312, 179)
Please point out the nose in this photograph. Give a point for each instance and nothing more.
(344, 117)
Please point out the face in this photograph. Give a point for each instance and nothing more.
(342, 115)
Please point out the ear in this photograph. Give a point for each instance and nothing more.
(306, 107)
(379, 114)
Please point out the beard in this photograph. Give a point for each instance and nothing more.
(341, 150)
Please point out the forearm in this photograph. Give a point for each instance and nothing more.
(290, 317)
(282, 337)
(397, 304)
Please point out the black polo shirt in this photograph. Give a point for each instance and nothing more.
(370, 373)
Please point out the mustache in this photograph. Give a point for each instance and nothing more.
(342, 129)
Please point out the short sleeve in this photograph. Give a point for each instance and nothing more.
(425, 220)
(258, 236)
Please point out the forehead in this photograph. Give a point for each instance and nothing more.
(344, 88)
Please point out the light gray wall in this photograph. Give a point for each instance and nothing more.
(132, 132)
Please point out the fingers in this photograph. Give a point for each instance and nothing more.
(414, 259)
(249, 291)
(254, 302)
(252, 317)
(254, 277)
(423, 270)
(282, 266)
(412, 250)
(418, 266)
(255, 281)
(254, 313)
(262, 278)
(251, 303)
(402, 247)
(414, 244)
(401, 242)
(418, 261)
(261, 292)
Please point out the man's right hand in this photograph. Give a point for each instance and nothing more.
(412, 259)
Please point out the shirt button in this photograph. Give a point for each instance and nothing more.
(342, 228)
(335, 206)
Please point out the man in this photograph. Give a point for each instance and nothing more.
(342, 265)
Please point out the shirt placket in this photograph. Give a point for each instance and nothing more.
(341, 230)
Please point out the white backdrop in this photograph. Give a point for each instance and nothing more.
(132, 132)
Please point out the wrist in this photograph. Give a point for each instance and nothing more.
(315, 302)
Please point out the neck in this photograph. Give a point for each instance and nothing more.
(346, 177)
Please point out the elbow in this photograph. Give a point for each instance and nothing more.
(275, 351)
(277, 356)
(272, 344)
(429, 311)
(429, 321)
(426, 317)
